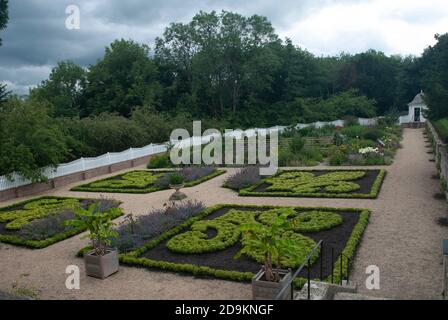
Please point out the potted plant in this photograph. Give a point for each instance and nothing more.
(101, 261)
(269, 242)
(176, 182)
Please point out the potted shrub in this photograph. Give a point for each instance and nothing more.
(101, 261)
(269, 242)
(176, 182)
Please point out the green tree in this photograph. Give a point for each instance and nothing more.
(29, 139)
(350, 103)
(408, 82)
(3, 21)
(347, 103)
(126, 77)
(63, 89)
(155, 125)
(299, 73)
(212, 59)
(434, 64)
(374, 75)
(99, 134)
(4, 93)
(4, 17)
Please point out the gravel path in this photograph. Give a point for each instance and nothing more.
(403, 240)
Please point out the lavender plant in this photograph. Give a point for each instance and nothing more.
(194, 173)
(243, 178)
(189, 174)
(135, 232)
(41, 229)
(53, 224)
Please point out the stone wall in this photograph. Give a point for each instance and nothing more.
(440, 155)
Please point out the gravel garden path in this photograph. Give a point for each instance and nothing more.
(403, 239)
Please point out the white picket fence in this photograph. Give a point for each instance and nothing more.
(84, 164)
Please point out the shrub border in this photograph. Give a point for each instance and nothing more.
(132, 258)
(86, 188)
(374, 191)
(39, 244)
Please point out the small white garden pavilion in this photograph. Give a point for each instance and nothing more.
(416, 112)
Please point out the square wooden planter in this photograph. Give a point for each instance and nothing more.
(101, 266)
(267, 290)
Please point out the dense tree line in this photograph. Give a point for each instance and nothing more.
(223, 68)
(230, 68)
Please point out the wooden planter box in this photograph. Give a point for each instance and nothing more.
(101, 266)
(266, 290)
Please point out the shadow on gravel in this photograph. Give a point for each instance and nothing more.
(439, 196)
(442, 222)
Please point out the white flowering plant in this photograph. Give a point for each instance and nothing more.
(368, 150)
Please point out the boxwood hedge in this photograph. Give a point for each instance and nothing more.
(332, 187)
(134, 258)
(139, 181)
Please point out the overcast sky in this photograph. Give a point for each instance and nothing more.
(36, 37)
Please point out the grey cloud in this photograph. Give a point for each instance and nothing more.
(20, 79)
(36, 36)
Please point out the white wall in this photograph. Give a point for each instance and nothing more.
(410, 116)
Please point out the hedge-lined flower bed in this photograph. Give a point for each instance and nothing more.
(353, 144)
(40, 222)
(146, 181)
(319, 184)
(205, 244)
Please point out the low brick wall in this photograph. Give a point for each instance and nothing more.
(121, 166)
(30, 189)
(8, 194)
(58, 182)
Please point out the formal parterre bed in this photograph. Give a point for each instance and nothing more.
(206, 243)
(40, 222)
(146, 181)
(187, 237)
(314, 183)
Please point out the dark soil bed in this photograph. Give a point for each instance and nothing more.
(335, 238)
(365, 182)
